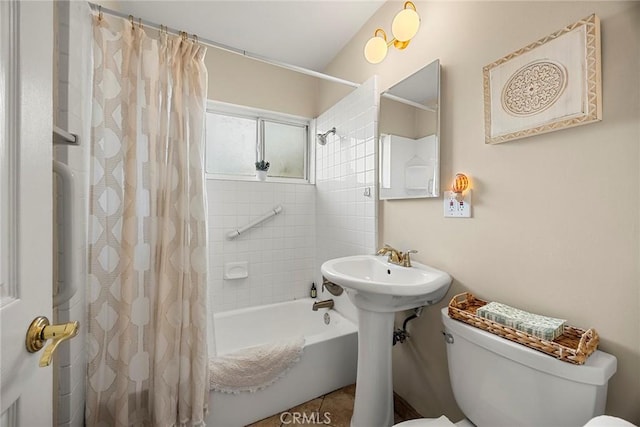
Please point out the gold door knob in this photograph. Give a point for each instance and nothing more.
(41, 330)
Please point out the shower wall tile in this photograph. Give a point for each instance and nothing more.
(72, 112)
(331, 219)
(280, 252)
(346, 218)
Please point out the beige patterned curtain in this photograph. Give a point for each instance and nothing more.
(148, 263)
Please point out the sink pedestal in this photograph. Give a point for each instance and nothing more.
(374, 385)
(378, 289)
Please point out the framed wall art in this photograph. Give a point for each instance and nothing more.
(552, 84)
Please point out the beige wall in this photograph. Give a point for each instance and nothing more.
(555, 226)
(109, 4)
(239, 80)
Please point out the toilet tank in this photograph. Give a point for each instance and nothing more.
(497, 382)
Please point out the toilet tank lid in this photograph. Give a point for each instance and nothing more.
(608, 421)
(597, 370)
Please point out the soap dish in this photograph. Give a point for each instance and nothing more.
(236, 270)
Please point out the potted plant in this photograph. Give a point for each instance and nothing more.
(261, 170)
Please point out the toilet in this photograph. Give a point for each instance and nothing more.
(497, 382)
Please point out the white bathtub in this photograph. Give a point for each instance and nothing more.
(329, 360)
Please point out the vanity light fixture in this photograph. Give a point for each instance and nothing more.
(404, 27)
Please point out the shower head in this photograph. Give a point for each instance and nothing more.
(322, 137)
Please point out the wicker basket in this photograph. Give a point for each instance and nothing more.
(573, 346)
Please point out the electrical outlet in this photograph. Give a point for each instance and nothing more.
(457, 209)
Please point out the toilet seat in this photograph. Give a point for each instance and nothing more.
(600, 421)
(443, 421)
(608, 421)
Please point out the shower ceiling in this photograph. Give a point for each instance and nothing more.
(306, 33)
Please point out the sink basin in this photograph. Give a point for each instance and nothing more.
(373, 281)
(378, 289)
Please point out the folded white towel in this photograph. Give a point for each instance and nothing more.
(254, 368)
(544, 327)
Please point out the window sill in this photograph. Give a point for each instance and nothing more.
(250, 178)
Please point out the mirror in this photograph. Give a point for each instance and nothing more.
(409, 129)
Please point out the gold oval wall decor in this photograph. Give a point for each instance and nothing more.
(534, 88)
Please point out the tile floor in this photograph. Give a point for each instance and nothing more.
(331, 410)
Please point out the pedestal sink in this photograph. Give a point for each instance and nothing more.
(378, 289)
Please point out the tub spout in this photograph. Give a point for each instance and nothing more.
(328, 303)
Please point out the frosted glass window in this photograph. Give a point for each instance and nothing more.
(285, 148)
(237, 137)
(231, 144)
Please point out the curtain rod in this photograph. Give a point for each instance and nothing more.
(98, 8)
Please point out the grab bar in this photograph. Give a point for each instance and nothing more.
(273, 212)
(61, 136)
(68, 287)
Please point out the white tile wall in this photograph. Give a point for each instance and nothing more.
(332, 219)
(280, 252)
(346, 168)
(72, 103)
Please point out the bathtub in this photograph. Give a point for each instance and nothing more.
(329, 360)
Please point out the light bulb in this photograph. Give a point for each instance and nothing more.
(405, 25)
(375, 50)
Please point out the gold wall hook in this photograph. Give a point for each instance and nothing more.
(100, 15)
(41, 330)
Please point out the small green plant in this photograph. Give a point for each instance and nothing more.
(262, 165)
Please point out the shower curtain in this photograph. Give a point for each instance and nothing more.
(147, 246)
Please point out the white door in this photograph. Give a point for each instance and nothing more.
(25, 207)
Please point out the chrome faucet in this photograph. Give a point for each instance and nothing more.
(397, 257)
(328, 303)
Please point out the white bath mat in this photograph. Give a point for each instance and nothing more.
(254, 368)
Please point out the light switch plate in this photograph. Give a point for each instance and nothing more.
(457, 209)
